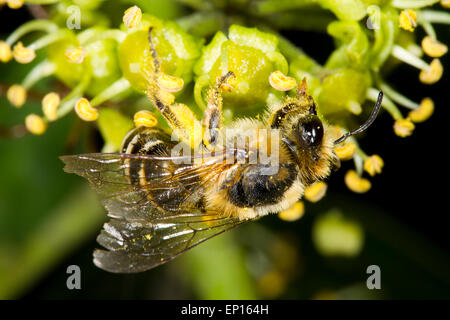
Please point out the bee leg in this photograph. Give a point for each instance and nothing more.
(179, 117)
(212, 119)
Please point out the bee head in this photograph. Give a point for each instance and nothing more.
(304, 134)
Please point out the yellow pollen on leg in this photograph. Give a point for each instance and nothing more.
(433, 74)
(145, 118)
(425, 111)
(35, 124)
(5, 52)
(23, 54)
(17, 95)
(408, 20)
(50, 105)
(346, 151)
(293, 213)
(281, 82)
(315, 191)
(85, 111)
(169, 83)
(403, 127)
(132, 17)
(76, 55)
(433, 47)
(356, 183)
(373, 164)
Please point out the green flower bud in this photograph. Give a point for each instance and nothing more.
(252, 55)
(176, 49)
(343, 91)
(113, 127)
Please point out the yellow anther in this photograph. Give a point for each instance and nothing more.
(315, 191)
(169, 83)
(423, 112)
(433, 74)
(408, 20)
(85, 111)
(346, 151)
(445, 3)
(76, 55)
(433, 47)
(373, 164)
(5, 52)
(15, 4)
(403, 127)
(50, 105)
(293, 213)
(35, 124)
(132, 17)
(356, 183)
(17, 95)
(145, 118)
(281, 82)
(23, 54)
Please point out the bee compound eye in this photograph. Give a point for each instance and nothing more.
(311, 131)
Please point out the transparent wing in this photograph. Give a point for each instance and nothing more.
(109, 174)
(141, 245)
(141, 236)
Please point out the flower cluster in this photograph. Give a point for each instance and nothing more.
(100, 64)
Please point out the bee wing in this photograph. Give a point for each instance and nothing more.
(139, 236)
(141, 245)
(109, 175)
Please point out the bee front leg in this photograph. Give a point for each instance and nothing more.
(212, 120)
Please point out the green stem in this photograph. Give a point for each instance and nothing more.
(409, 58)
(69, 101)
(40, 71)
(413, 4)
(397, 97)
(48, 39)
(34, 25)
(435, 16)
(112, 91)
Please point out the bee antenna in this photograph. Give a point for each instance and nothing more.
(365, 125)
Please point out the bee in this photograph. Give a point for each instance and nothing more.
(162, 204)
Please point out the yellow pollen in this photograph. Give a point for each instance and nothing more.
(445, 3)
(433, 74)
(408, 20)
(403, 127)
(229, 85)
(293, 213)
(23, 54)
(145, 118)
(35, 124)
(132, 17)
(85, 111)
(76, 55)
(315, 191)
(50, 105)
(433, 48)
(346, 151)
(15, 4)
(5, 52)
(373, 164)
(425, 111)
(166, 97)
(169, 83)
(281, 82)
(356, 183)
(17, 95)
